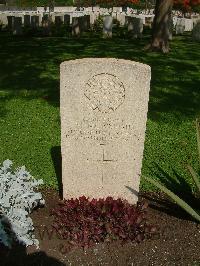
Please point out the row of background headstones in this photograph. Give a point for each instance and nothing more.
(79, 23)
(67, 9)
(76, 19)
(119, 16)
(72, 9)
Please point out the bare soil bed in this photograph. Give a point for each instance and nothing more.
(176, 242)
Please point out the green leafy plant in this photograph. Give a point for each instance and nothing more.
(98, 24)
(183, 204)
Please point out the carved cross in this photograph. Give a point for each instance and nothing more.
(104, 160)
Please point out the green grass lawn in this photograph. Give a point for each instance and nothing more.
(29, 100)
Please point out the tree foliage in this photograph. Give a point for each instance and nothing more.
(183, 5)
(187, 5)
(107, 3)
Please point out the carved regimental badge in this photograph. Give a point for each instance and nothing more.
(105, 92)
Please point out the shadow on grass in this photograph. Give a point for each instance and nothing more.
(57, 161)
(30, 69)
(180, 187)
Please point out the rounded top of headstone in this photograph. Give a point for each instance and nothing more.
(114, 61)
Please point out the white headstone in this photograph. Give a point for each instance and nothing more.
(117, 9)
(17, 27)
(27, 20)
(180, 26)
(121, 18)
(104, 105)
(10, 22)
(170, 27)
(76, 26)
(188, 24)
(135, 27)
(114, 14)
(107, 26)
(93, 17)
(86, 22)
(59, 19)
(34, 21)
(3, 19)
(67, 20)
(196, 32)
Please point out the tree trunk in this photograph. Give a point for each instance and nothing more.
(161, 26)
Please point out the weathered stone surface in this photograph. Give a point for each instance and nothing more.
(17, 27)
(117, 9)
(121, 18)
(107, 26)
(180, 26)
(34, 21)
(46, 22)
(67, 19)
(59, 20)
(76, 26)
(27, 20)
(10, 22)
(83, 22)
(3, 19)
(196, 32)
(188, 24)
(170, 27)
(135, 27)
(104, 106)
(114, 15)
(87, 22)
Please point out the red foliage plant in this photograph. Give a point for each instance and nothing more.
(83, 222)
(186, 5)
(106, 3)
